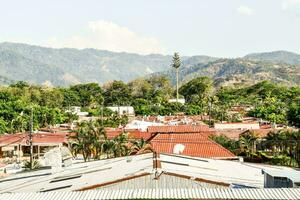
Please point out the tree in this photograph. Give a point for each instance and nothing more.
(109, 147)
(271, 109)
(87, 93)
(138, 145)
(121, 147)
(293, 113)
(176, 64)
(197, 90)
(117, 93)
(81, 141)
(247, 143)
(3, 126)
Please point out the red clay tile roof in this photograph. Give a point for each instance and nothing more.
(134, 134)
(38, 138)
(179, 129)
(195, 144)
(230, 133)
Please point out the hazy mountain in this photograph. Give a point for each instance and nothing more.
(70, 66)
(240, 71)
(67, 66)
(276, 56)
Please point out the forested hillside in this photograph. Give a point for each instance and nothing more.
(240, 71)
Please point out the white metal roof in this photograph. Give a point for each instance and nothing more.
(96, 174)
(241, 194)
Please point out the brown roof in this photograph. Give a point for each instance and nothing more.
(195, 144)
(134, 133)
(230, 133)
(37, 138)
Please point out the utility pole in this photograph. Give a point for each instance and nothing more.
(102, 105)
(177, 76)
(30, 138)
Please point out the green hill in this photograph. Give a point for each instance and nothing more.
(240, 71)
(276, 57)
(61, 67)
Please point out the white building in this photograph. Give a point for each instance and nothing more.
(142, 172)
(182, 101)
(76, 110)
(122, 110)
(141, 125)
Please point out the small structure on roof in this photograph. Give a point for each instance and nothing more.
(281, 179)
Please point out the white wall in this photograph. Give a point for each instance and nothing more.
(222, 126)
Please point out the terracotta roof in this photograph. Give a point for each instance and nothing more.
(230, 133)
(134, 133)
(261, 133)
(179, 129)
(195, 144)
(38, 138)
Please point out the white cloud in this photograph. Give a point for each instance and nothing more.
(110, 36)
(244, 10)
(291, 6)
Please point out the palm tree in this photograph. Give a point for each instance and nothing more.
(108, 147)
(247, 142)
(138, 145)
(176, 64)
(83, 142)
(121, 147)
(98, 134)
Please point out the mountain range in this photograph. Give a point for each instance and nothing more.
(62, 67)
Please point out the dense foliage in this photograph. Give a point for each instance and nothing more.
(91, 141)
(280, 148)
(271, 102)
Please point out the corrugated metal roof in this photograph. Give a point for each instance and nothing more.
(241, 194)
(97, 174)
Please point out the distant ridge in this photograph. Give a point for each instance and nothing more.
(276, 56)
(66, 66)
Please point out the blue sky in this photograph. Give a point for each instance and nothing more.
(225, 28)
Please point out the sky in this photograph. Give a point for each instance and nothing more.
(223, 28)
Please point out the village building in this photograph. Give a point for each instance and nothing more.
(18, 145)
(182, 101)
(122, 110)
(237, 125)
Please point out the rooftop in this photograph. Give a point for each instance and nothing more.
(115, 173)
(37, 138)
(190, 144)
(179, 129)
(157, 193)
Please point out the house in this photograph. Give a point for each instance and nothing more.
(76, 110)
(17, 145)
(141, 125)
(187, 140)
(122, 110)
(189, 144)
